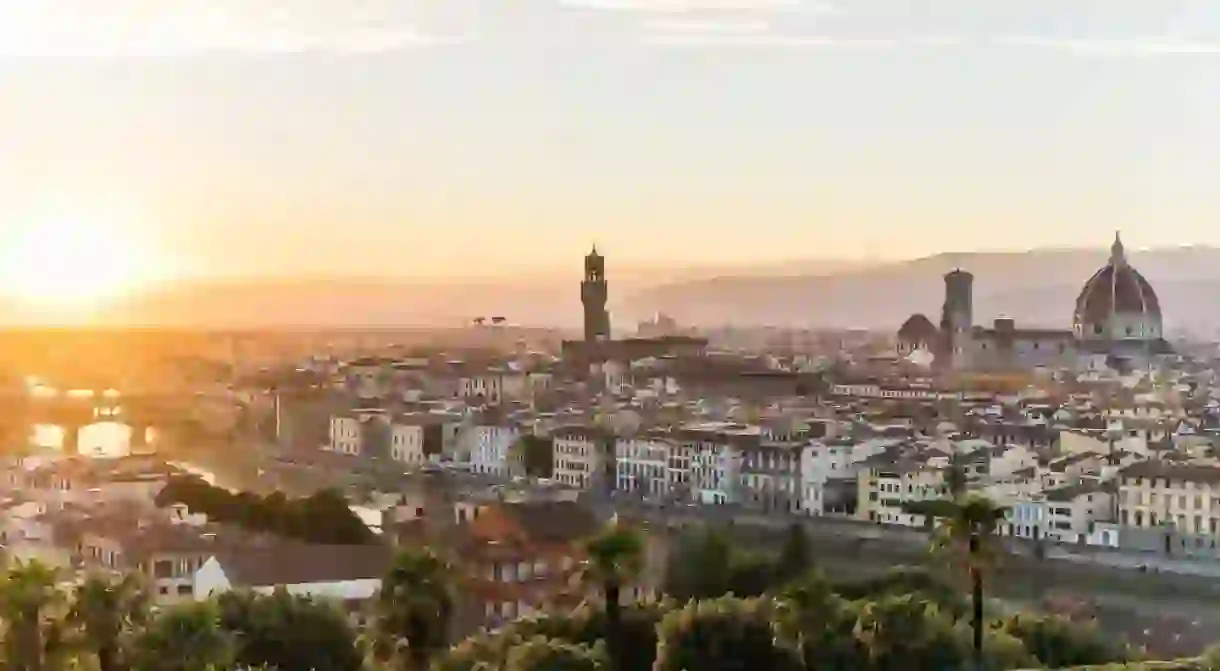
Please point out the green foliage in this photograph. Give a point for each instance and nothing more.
(795, 558)
(289, 632)
(905, 632)
(323, 517)
(723, 634)
(615, 558)
(906, 580)
(705, 565)
(29, 601)
(585, 627)
(414, 609)
(185, 637)
(1058, 642)
(104, 614)
(548, 654)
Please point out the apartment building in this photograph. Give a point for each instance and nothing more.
(518, 559)
(1183, 499)
(827, 476)
(642, 465)
(887, 484)
(769, 475)
(407, 442)
(490, 446)
(1072, 512)
(578, 456)
(711, 453)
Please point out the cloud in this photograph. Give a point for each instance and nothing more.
(768, 40)
(90, 28)
(696, 27)
(688, 6)
(1114, 48)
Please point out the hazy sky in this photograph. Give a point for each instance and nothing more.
(435, 136)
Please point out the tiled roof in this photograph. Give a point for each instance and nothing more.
(288, 563)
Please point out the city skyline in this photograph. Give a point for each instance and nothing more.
(471, 138)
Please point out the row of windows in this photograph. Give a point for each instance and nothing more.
(1197, 501)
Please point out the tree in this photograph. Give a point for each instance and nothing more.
(968, 533)
(809, 618)
(323, 517)
(721, 635)
(28, 600)
(586, 627)
(906, 633)
(795, 558)
(284, 631)
(548, 654)
(615, 558)
(414, 607)
(105, 613)
(1057, 642)
(700, 567)
(184, 637)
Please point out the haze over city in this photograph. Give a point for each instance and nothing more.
(472, 138)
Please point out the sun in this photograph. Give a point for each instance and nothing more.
(73, 263)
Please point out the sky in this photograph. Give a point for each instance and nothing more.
(451, 137)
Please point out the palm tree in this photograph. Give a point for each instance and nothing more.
(414, 608)
(28, 596)
(615, 556)
(103, 611)
(968, 531)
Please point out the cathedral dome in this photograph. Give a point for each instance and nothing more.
(1117, 303)
(918, 329)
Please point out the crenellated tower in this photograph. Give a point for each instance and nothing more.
(957, 318)
(593, 295)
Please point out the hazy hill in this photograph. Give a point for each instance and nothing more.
(1038, 287)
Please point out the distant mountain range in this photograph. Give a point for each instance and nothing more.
(1037, 288)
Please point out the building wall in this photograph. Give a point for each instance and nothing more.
(211, 580)
(346, 435)
(490, 449)
(575, 460)
(407, 444)
(642, 467)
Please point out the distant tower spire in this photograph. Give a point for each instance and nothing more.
(1117, 254)
(593, 294)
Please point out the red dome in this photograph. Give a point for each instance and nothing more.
(918, 329)
(1115, 289)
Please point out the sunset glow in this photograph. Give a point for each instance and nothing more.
(73, 263)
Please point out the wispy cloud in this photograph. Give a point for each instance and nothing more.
(1114, 48)
(688, 6)
(767, 40)
(55, 28)
(710, 27)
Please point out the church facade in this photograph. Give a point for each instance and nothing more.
(1116, 322)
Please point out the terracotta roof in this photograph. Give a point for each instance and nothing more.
(553, 521)
(1116, 288)
(296, 563)
(918, 329)
(1155, 468)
